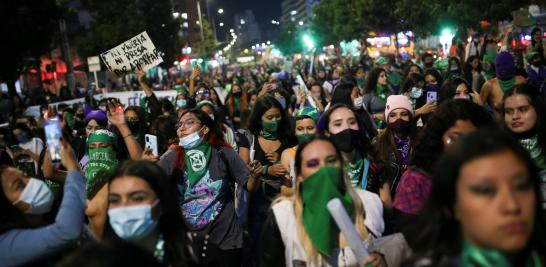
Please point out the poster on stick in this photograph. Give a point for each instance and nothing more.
(138, 51)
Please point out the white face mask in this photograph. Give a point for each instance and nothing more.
(38, 196)
(357, 102)
(133, 222)
(211, 116)
(467, 97)
(191, 141)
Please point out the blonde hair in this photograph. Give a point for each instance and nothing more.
(360, 215)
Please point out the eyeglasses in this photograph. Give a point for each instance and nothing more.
(187, 124)
(203, 92)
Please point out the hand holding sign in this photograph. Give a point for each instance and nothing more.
(138, 51)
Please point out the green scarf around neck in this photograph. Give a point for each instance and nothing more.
(316, 190)
(506, 85)
(354, 170)
(269, 130)
(102, 163)
(473, 256)
(534, 149)
(380, 91)
(197, 161)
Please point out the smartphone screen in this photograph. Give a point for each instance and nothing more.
(151, 142)
(432, 96)
(53, 135)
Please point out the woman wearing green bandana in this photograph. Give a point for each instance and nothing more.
(300, 231)
(484, 208)
(306, 128)
(375, 95)
(524, 117)
(270, 127)
(205, 168)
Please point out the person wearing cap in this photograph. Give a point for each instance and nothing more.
(536, 72)
(306, 128)
(393, 147)
(492, 91)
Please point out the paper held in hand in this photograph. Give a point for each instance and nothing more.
(138, 51)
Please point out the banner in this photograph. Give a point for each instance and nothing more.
(131, 98)
(138, 51)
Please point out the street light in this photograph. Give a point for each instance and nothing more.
(221, 24)
(220, 11)
(242, 21)
(176, 14)
(308, 42)
(300, 23)
(231, 30)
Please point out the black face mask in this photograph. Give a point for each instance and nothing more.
(237, 94)
(80, 115)
(399, 126)
(429, 64)
(346, 140)
(134, 126)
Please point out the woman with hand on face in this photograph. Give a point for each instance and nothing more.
(524, 117)
(143, 209)
(300, 231)
(270, 128)
(484, 207)
(204, 167)
(26, 234)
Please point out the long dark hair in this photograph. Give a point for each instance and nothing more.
(385, 146)
(371, 80)
(10, 217)
(342, 94)
(449, 88)
(536, 101)
(363, 142)
(171, 223)
(437, 232)
(263, 104)
(429, 141)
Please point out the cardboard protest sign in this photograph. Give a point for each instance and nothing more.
(138, 51)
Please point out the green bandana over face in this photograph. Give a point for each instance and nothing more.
(316, 191)
(101, 165)
(532, 146)
(197, 161)
(361, 82)
(506, 85)
(394, 78)
(302, 137)
(269, 129)
(354, 171)
(380, 90)
(237, 101)
(104, 136)
(472, 256)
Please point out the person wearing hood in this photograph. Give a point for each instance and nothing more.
(493, 90)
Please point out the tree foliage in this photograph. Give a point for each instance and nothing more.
(289, 41)
(28, 29)
(206, 47)
(117, 21)
(338, 20)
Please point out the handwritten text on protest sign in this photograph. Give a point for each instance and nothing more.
(138, 51)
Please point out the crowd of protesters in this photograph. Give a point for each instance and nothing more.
(438, 162)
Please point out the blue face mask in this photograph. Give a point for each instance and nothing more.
(181, 103)
(191, 141)
(133, 222)
(416, 92)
